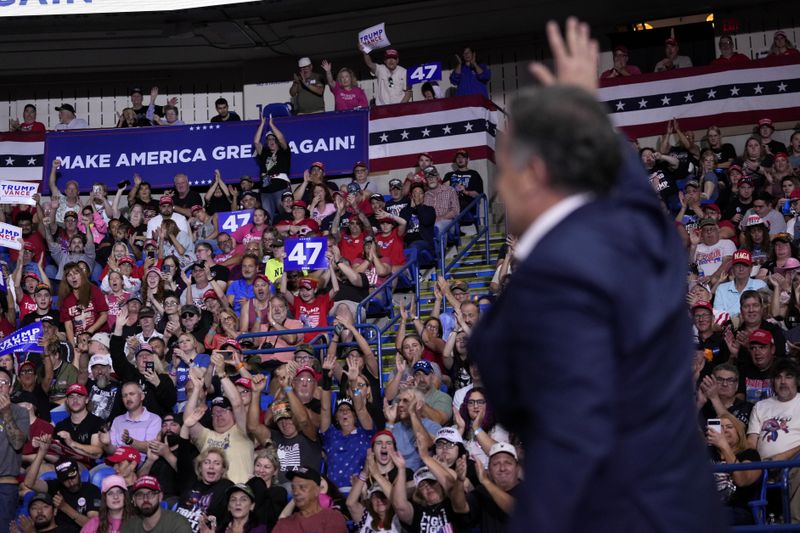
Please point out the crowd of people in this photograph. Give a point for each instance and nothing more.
(728, 56)
(144, 409)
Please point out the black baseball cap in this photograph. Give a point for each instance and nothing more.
(304, 472)
(66, 107)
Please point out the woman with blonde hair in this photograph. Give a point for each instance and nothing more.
(729, 445)
(271, 497)
(207, 495)
(346, 92)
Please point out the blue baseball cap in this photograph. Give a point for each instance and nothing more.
(423, 366)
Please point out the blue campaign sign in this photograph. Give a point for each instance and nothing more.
(305, 253)
(425, 72)
(157, 153)
(23, 340)
(230, 221)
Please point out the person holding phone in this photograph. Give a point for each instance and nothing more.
(726, 437)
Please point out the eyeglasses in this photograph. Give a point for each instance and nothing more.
(26, 371)
(304, 380)
(146, 495)
(4, 382)
(725, 381)
(476, 402)
(445, 445)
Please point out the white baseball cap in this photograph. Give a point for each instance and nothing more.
(303, 62)
(102, 338)
(423, 474)
(503, 447)
(100, 359)
(450, 434)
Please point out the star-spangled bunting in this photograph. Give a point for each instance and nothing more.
(20, 161)
(705, 94)
(433, 132)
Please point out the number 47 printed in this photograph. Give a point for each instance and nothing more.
(425, 72)
(306, 253)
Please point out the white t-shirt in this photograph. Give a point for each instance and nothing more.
(391, 85)
(777, 424)
(156, 221)
(709, 258)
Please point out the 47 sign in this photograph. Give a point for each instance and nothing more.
(425, 72)
(306, 253)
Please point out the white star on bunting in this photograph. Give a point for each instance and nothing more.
(9, 162)
(712, 94)
(446, 130)
(758, 89)
(468, 126)
(735, 91)
(31, 161)
(384, 137)
(642, 103)
(426, 132)
(665, 100)
(620, 105)
(689, 97)
(782, 87)
(404, 135)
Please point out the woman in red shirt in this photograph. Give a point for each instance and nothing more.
(390, 239)
(83, 306)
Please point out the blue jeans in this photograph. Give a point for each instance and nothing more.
(270, 201)
(9, 501)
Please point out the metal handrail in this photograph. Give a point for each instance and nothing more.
(320, 335)
(760, 465)
(413, 266)
(481, 232)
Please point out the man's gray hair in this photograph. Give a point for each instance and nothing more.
(571, 132)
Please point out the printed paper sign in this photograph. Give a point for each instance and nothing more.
(373, 38)
(18, 192)
(424, 72)
(230, 221)
(23, 340)
(9, 235)
(306, 253)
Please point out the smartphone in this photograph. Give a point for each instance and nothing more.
(122, 184)
(150, 365)
(150, 254)
(227, 355)
(164, 268)
(715, 424)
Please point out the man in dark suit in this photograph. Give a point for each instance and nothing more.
(586, 355)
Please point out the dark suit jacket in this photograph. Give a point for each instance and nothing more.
(586, 356)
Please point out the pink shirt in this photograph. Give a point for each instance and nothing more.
(347, 99)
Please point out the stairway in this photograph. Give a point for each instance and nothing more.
(472, 268)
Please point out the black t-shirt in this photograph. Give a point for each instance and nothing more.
(731, 495)
(218, 204)
(86, 499)
(101, 401)
(270, 501)
(295, 452)
(724, 153)
(688, 163)
(396, 207)
(192, 198)
(42, 400)
(82, 432)
(719, 349)
(231, 117)
(421, 221)
(471, 181)
(736, 207)
(141, 113)
(485, 513)
(30, 318)
(203, 499)
(755, 384)
(271, 164)
(349, 292)
(433, 518)
(665, 182)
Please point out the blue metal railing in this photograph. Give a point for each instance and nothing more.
(455, 224)
(761, 465)
(385, 289)
(319, 341)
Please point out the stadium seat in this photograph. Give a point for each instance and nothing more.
(99, 473)
(57, 415)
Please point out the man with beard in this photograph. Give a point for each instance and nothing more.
(102, 387)
(150, 517)
(137, 425)
(170, 458)
(79, 433)
(76, 501)
(42, 519)
(166, 208)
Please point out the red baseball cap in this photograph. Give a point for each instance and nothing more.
(319, 164)
(124, 453)
(360, 164)
(712, 207)
(196, 208)
(232, 342)
(299, 203)
(702, 304)
(391, 52)
(31, 273)
(308, 283)
(147, 482)
(737, 168)
(261, 277)
(166, 199)
(77, 388)
(743, 257)
(766, 122)
(28, 245)
(127, 260)
(244, 382)
(761, 336)
(310, 370)
(210, 294)
(382, 432)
